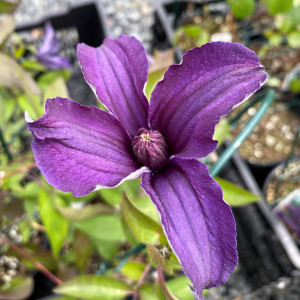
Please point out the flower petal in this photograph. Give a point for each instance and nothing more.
(117, 71)
(48, 52)
(79, 148)
(198, 223)
(50, 43)
(187, 104)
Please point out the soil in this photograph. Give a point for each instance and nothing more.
(284, 181)
(272, 139)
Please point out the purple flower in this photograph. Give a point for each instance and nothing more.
(48, 52)
(80, 149)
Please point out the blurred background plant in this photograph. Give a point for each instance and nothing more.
(110, 244)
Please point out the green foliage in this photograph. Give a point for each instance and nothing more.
(153, 79)
(133, 270)
(278, 6)
(235, 195)
(241, 9)
(102, 227)
(56, 87)
(19, 288)
(8, 7)
(56, 225)
(295, 85)
(143, 228)
(92, 287)
(221, 131)
(82, 249)
(293, 39)
(189, 36)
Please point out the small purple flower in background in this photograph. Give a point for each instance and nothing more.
(48, 52)
(80, 149)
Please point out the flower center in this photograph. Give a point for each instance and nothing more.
(150, 149)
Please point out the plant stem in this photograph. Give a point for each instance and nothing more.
(38, 265)
(141, 280)
(227, 154)
(130, 252)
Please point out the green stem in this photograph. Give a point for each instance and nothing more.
(227, 154)
(4, 145)
(125, 257)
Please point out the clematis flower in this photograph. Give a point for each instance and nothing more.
(48, 52)
(80, 149)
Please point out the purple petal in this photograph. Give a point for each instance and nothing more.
(78, 148)
(117, 71)
(188, 103)
(54, 62)
(50, 43)
(198, 223)
(48, 52)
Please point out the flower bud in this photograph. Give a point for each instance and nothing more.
(150, 149)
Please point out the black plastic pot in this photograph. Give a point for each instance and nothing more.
(266, 249)
(87, 17)
(88, 20)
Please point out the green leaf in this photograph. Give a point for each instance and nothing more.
(8, 7)
(33, 65)
(35, 110)
(278, 6)
(295, 85)
(241, 9)
(92, 287)
(293, 39)
(103, 227)
(153, 79)
(14, 76)
(142, 227)
(221, 131)
(275, 39)
(30, 196)
(44, 257)
(56, 225)
(82, 247)
(133, 270)
(51, 76)
(107, 249)
(235, 195)
(146, 206)
(111, 196)
(178, 286)
(85, 212)
(147, 292)
(7, 108)
(56, 87)
(129, 236)
(7, 25)
(20, 287)
(189, 36)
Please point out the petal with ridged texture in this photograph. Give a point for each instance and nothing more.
(187, 104)
(78, 148)
(198, 223)
(117, 71)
